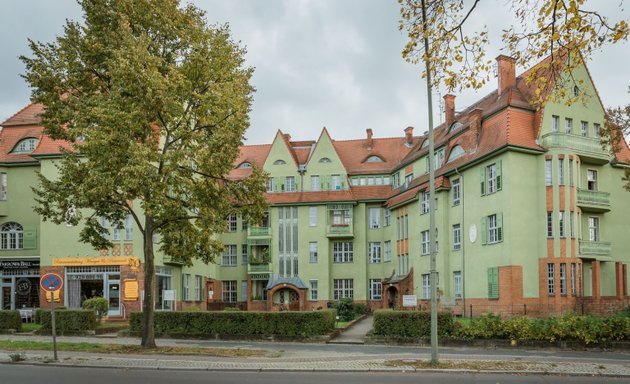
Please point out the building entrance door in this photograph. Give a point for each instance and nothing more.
(6, 297)
(113, 289)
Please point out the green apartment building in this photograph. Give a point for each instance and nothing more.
(531, 218)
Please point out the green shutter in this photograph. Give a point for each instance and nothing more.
(500, 226)
(493, 283)
(483, 181)
(30, 239)
(483, 230)
(499, 176)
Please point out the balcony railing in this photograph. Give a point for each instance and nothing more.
(595, 248)
(258, 268)
(586, 146)
(168, 260)
(593, 200)
(255, 231)
(340, 230)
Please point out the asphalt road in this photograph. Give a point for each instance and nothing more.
(23, 374)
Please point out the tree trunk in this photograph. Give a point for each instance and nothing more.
(148, 306)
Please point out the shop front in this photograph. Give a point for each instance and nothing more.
(19, 284)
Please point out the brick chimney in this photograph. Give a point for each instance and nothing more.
(409, 136)
(449, 110)
(370, 142)
(287, 137)
(475, 121)
(506, 73)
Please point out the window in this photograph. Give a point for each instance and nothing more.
(198, 287)
(116, 232)
(561, 224)
(426, 286)
(584, 128)
(315, 183)
(312, 216)
(493, 283)
(324, 160)
(439, 158)
(229, 255)
(186, 286)
(571, 223)
(229, 291)
(548, 172)
(271, 184)
(312, 251)
(279, 162)
(561, 171)
(457, 284)
(387, 218)
(231, 222)
(354, 181)
(3, 186)
(568, 125)
(457, 237)
(245, 165)
(593, 229)
(549, 224)
(551, 284)
(335, 182)
(105, 224)
(244, 290)
(385, 180)
(374, 217)
(128, 228)
(408, 179)
(571, 172)
(290, 184)
(573, 288)
(563, 279)
(591, 180)
(395, 180)
(342, 252)
(387, 251)
(555, 123)
(244, 255)
(596, 129)
(26, 146)
(491, 181)
(491, 174)
(424, 202)
(576, 91)
(425, 242)
(314, 290)
(455, 191)
(456, 153)
(374, 252)
(492, 229)
(374, 159)
(376, 289)
(11, 236)
(343, 288)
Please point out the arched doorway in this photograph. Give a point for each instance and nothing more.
(392, 297)
(286, 297)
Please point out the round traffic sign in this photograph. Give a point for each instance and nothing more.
(51, 282)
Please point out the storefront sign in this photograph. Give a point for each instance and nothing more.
(410, 301)
(131, 290)
(19, 264)
(94, 261)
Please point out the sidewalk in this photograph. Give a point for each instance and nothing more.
(356, 333)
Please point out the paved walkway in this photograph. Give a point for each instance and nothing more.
(356, 333)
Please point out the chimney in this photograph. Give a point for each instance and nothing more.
(506, 72)
(449, 110)
(475, 121)
(369, 139)
(409, 136)
(287, 137)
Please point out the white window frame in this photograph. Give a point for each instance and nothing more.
(376, 289)
(426, 286)
(548, 172)
(457, 237)
(312, 216)
(584, 128)
(343, 288)
(387, 218)
(591, 180)
(424, 235)
(229, 255)
(374, 252)
(555, 123)
(314, 290)
(425, 199)
(374, 218)
(456, 191)
(229, 291)
(596, 130)
(335, 182)
(186, 286)
(289, 184)
(593, 228)
(271, 184)
(312, 252)
(457, 284)
(315, 183)
(198, 287)
(573, 279)
(129, 228)
(549, 224)
(11, 236)
(343, 252)
(568, 125)
(551, 275)
(491, 178)
(561, 224)
(561, 171)
(387, 251)
(563, 279)
(232, 223)
(3, 186)
(493, 229)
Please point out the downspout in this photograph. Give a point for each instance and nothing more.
(463, 239)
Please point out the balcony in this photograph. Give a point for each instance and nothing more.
(254, 231)
(259, 271)
(588, 148)
(169, 260)
(340, 230)
(593, 201)
(595, 250)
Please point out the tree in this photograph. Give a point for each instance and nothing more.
(154, 103)
(616, 127)
(565, 30)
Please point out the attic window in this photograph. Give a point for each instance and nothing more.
(325, 160)
(245, 165)
(456, 152)
(26, 146)
(374, 159)
(279, 162)
(425, 144)
(455, 126)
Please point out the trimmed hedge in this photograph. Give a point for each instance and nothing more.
(586, 329)
(410, 324)
(348, 310)
(68, 320)
(10, 320)
(242, 323)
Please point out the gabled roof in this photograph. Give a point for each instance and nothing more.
(29, 115)
(353, 154)
(253, 154)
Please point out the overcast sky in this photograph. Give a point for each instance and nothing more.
(332, 63)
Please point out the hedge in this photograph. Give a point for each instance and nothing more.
(68, 320)
(410, 324)
(586, 329)
(10, 320)
(211, 324)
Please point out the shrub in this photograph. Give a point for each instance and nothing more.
(410, 324)
(68, 320)
(99, 305)
(10, 320)
(345, 309)
(238, 323)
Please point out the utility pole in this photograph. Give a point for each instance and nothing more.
(433, 271)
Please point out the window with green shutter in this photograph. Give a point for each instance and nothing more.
(493, 283)
(492, 229)
(491, 178)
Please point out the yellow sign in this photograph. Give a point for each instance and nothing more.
(56, 296)
(95, 261)
(131, 290)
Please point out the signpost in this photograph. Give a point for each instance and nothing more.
(52, 282)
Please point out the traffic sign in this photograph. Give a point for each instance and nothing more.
(51, 282)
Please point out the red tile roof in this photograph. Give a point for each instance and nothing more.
(29, 115)
(354, 153)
